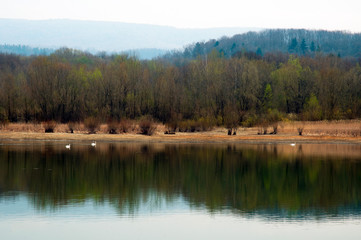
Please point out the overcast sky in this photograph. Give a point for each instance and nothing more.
(310, 14)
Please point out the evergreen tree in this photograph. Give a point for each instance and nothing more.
(259, 52)
(313, 47)
(303, 47)
(293, 46)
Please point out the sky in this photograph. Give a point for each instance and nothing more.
(310, 14)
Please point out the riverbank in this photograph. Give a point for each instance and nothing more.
(347, 131)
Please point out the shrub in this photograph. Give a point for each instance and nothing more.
(183, 126)
(261, 130)
(92, 125)
(275, 128)
(250, 120)
(125, 126)
(49, 126)
(262, 125)
(232, 131)
(187, 126)
(206, 124)
(300, 130)
(202, 124)
(273, 117)
(71, 127)
(147, 126)
(172, 126)
(312, 109)
(231, 119)
(113, 127)
(194, 126)
(219, 120)
(3, 117)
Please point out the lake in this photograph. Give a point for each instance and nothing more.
(179, 191)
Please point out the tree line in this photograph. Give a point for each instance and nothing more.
(71, 85)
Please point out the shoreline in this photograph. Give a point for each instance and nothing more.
(212, 137)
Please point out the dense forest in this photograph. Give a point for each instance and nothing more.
(246, 88)
(292, 41)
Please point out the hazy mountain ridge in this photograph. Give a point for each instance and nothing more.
(42, 37)
(103, 36)
(23, 50)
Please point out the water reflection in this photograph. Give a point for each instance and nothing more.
(273, 181)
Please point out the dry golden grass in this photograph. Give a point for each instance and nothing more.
(22, 127)
(132, 128)
(342, 128)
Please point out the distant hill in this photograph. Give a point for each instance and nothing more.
(294, 41)
(143, 54)
(25, 50)
(95, 36)
(146, 53)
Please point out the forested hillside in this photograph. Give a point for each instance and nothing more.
(71, 85)
(293, 41)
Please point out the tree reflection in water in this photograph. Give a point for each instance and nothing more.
(263, 179)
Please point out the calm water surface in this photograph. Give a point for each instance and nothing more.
(160, 191)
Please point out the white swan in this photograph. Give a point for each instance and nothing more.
(67, 146)
(93, 144)
(293, 144)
